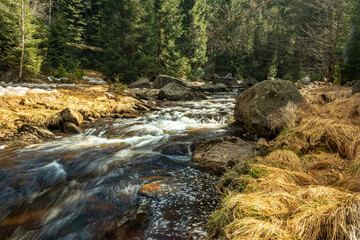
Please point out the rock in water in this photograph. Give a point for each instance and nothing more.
(208, 87)
(176, 92)
(249, 82)
(70, 115)
(259, 107)
(69, 127)
(36, 131)
(221, 154)
(220, 87)
(356, 87)
(140, 83)
(163, 80)
(176, 150)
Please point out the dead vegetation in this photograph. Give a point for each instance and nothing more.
(43, 109)
(307, 186)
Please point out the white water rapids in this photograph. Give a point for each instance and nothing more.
(89, 186)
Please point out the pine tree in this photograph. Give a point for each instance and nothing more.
(126, 39)
(66, 34)
(352, 49)
(194, 39)
(8, 35)
(168, 25)
(20, 42)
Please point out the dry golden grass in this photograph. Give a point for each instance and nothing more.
(284, 159)
(43, 108)
(327, 94)
(315, 132)
(306, 188)
(284, 117)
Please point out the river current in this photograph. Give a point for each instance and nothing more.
(121, 179)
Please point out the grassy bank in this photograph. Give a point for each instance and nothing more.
(43, 108)
(306, 185)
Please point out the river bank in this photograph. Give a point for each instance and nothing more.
(40, 108)
(304, 184)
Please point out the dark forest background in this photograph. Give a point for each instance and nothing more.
(192, 39)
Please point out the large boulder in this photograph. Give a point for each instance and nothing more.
(176, 92)
(263, 109)
(163, 80)
(71, 115)
(140, 83)
(221, 154)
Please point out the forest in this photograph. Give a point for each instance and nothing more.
(191, 39)
(180, 119)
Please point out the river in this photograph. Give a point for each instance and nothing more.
(121, 179)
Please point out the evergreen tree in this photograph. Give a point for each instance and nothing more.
(8, 35)
(125, 38)
(168, 25)
(66, 34)
(194, 39)
(352, 50)
(11, 39)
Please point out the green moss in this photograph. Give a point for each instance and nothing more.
(257, 172)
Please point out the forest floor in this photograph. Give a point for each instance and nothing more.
(305, 185)
(22, 106)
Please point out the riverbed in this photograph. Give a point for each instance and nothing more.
(121, 179)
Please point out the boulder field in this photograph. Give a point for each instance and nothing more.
(173, 89)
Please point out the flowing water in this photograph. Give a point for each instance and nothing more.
(121, 179)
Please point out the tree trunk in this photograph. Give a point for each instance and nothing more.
(22, 39)
(50, 7)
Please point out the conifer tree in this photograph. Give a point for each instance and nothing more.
(194, 39)
(352, 50)
(124, 36)
(168, 25)
(8, 35)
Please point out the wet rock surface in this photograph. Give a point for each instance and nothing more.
(221, 154)
(69, 127)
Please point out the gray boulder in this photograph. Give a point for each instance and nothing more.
(176, 92)
(69, 127)
(163, 80)
(260, 109)
(140, 83)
